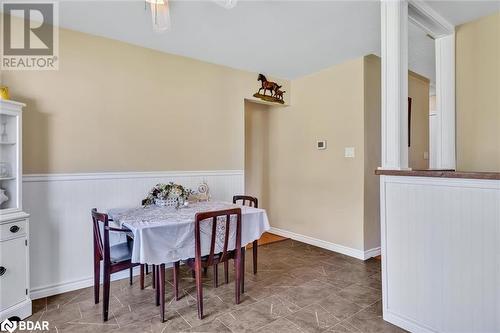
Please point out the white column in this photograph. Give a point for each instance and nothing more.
(394, 22)
(445, 102)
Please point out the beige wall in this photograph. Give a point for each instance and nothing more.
(478, 94)
(257, 151)
(317, 193)
(335, 199)
(418, 90)
(113, 106)
(373, 154)
(320, 193)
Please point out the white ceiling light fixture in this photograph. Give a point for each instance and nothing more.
(160, 15)
(160, 12)
(228, 4)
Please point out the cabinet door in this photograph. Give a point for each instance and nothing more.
(13, 279)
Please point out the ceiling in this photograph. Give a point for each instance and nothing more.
(287, 39)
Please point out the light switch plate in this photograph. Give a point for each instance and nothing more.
(349, 152)
(321, 144)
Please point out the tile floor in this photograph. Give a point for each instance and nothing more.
(299, 288)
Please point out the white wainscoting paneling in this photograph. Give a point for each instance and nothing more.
(349, 251)
(61, 230)
(441, 253)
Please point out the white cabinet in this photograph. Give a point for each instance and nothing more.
(14, 272)
(14, 224)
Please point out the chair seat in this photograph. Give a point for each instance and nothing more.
(121, 252)
(216, 259)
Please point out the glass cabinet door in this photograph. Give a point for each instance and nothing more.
(9, 161)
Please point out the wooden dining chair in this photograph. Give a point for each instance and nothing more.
(252, 202)
(200, 262)
(116, 257)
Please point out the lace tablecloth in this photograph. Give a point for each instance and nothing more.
(166, 234)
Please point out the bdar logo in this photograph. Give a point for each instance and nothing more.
(8, 326)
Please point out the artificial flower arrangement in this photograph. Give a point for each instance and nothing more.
(170, 194)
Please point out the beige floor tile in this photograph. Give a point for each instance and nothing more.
(281, 325)
(214, 326)
(340, 307)
(313, 318)
(298, 288)
(370, 320)
(307, 293)
(258, 314)
(361, 295)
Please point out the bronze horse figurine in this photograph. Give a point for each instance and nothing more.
(279, 94)
(267, 85)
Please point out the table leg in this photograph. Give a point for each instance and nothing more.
(254, 249)
(153, 278)
(237, 266)
(176, 280)
(142, 276)
(156, 278)
(161, 289)
(243, 250)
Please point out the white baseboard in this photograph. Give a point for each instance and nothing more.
(21, 310)
(80, 284)
(349, 251)
(405, 323)
(372, 252)
(64, 287)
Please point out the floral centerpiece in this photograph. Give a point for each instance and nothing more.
(170, 194)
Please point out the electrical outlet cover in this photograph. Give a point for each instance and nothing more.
(349, 152)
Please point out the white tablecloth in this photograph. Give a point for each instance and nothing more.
(166, 234)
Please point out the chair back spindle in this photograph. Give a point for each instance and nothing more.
(101, 244)
(252, 201)
(206, 217)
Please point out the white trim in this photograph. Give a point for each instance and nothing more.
(394, 51)
(11, 105)
(445, 102)
(443, 32)
(421, 14)
(372, 253)
(21, 310)
(64, 287)
(349, 251)
(489, 184)
(383, 248)
(125, 175)
(404, 323)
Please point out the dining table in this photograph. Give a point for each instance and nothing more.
(164, 235)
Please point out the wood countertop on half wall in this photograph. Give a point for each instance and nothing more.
(440, 174)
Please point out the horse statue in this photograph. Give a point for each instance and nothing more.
(279, 94)
(267, 85)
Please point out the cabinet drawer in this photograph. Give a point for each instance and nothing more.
(13, 272)
(12, 229)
